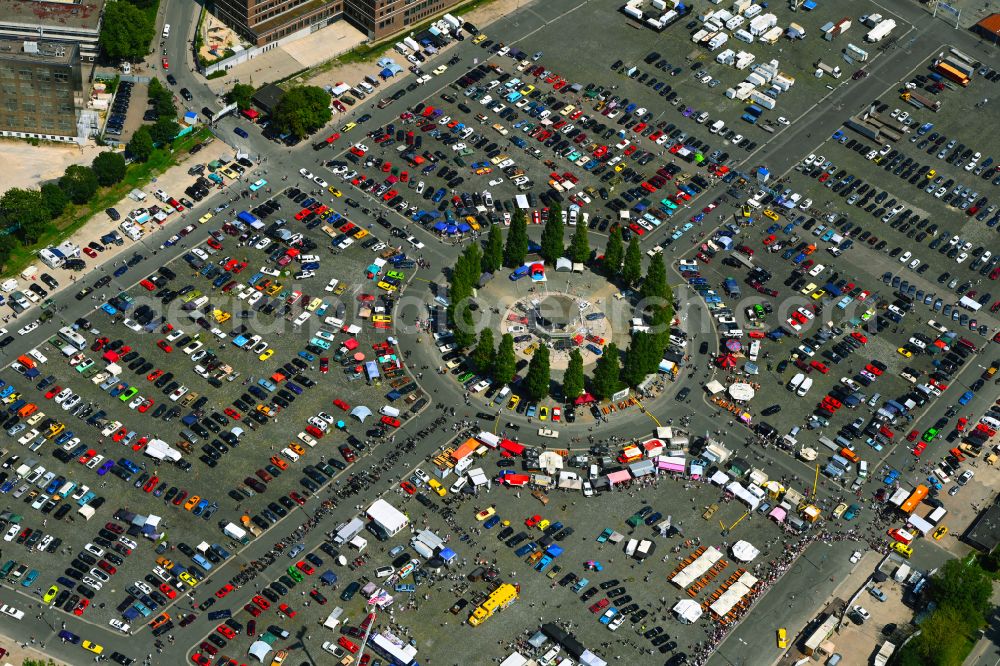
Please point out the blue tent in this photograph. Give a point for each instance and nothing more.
(464, 227)
(452, 229)
(440, 226)
(554, 551)
(386, 73)
(448, 555)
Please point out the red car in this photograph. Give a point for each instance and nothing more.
(154, 375)
(151, 484)
(253, 610)
(209, 648)
(919, 448)
(305, 567)
(200, 659)
(232, 413)
(168, 590)
(261, 602)
(224, 590)
(81, 606)
(912, 436)
(820, 366)
(408, 487)
(324, 365)
(165, 63)
(226, 631)
(599, 606)
(343, 405)
(391, 421)
(295, 497)
(285, 609)
(165, 346)
(532, 521)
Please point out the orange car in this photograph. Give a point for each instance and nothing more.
(279, 462)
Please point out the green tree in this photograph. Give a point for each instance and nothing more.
(79, 183)
(241, 95)
(536, 382)
(632, 265)
(614, 252)
(126, 32)
(140, 146)
(463, 328)
(506, 362)
(7, 245)
(493, 252)
(606, 381)
(552, 236)
(25, 211)
(302, 110)
(655, 286)
(161, 98)
(109, 168)
(579, 244)
(515, 251)
(164, 130)
(572, 385)
(468, 268)
(964, 586)
(54, 199)
(642, 358)
(659, 324)
(943, 641)
(484, 355)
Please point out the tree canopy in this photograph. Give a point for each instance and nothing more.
(302, 110)
(614, 252)
(572, 386)
(462, 281)
(552, 236)
(493, 250)
(164, 130)
(536, 382)
(126, 32)
(25, 212)
(632, 265)
(161, 97)
(140, 146)
(515, 250)
(241, 95)
(79, 183)
(109, 167)
(484, 355)
(579, 244)
(506, 361)
(606, 380)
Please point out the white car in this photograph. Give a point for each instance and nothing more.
(119, 625)
(94, 462)
(783, 121)
(28, 328)
(905, 257)
(855, 557)
(319, 181)
(495, 182)
(861, 612)
(422, 475)
(306, 173)
(62, 395)
(71, 402)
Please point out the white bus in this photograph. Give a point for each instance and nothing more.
(72, 337)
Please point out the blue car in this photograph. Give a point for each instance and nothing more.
(594, 349)
(491, 522)
(110, 309)
(241, 132)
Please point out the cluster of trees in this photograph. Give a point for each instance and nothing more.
(462, 282)
(26, 214)
(163, 131)
(302, 110)
(961, 590)
(241, 95)
(126, 30)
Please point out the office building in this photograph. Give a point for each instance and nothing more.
(41, 90)
(262, 22)
(381, 18)
(75, 22)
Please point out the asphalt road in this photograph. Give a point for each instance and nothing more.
(779, 154)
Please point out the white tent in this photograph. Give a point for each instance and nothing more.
(564, 265)
(744, 551)
(260, 650)
(714, 387)
(550, 461)
(361, 413)
(687, 610)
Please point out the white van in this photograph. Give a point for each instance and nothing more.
(863, 469)
(459, 484)
(389, 410)
(796, 381)
(166, 30)
(804, 386)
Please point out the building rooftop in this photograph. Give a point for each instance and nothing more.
(79, 14)
(990, 24)
(268, 96)
(50, 52)
(984, 532)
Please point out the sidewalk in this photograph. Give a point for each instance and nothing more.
(17, 654)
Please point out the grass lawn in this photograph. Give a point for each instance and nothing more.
(74, 217)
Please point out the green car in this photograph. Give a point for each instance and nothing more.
(930, 435)
(395, 274)
(466, 377)
(295, 574)
(128, 394)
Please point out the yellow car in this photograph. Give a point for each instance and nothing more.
(92, 647)
(382, 319)
(164, 562)
(904, 352)
(931, 173)
(902, 549)
(437, 487)
(531, 349)
(543, 413)
(348, 127)
(482, 171)
(771, 214)
(485, 513)
(543, 524)
(528, 89)
(360, 233)
(51, 594)
(267, 353)
(782, 638)
(385, 285)
(619, 167)
(334, 191)
(940, 532)
(818, 294)
(514, 401)
(295, 446)
(192, 502)
(479, 39)
(229, 173)
(204, 218)
(808, 288)
(188, 578)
